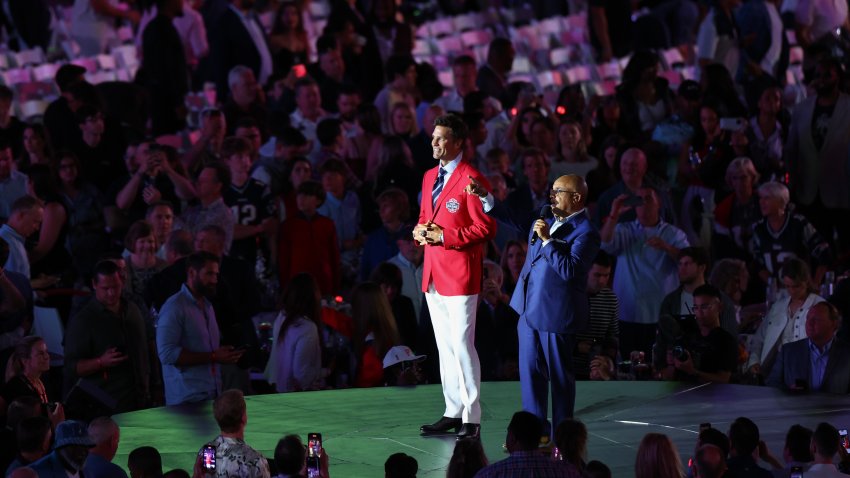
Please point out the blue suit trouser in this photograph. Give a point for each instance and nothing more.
(546, 359)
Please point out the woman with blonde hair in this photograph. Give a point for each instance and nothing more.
(375, 332)
(30, 359)
(658, 458)
(571, 153)
(735, 215)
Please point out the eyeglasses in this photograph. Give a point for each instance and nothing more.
(555, 192)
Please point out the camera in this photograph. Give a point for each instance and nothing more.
(680, 354)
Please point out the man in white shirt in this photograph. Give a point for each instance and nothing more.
(824, 446)
(409, 260)
(465, 77)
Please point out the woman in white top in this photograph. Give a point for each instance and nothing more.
(786, 320)
(295, 363)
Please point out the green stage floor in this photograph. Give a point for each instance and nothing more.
(362, 427)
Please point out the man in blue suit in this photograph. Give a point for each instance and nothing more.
(820, 362)
(551, 294)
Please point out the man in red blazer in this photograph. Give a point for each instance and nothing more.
(454, 229)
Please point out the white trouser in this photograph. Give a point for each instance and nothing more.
(453, 318)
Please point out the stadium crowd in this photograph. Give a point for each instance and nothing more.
(156, 253)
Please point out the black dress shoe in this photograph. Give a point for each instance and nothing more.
(469, 430)
(443, 425)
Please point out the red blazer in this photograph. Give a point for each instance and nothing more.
(456, 266)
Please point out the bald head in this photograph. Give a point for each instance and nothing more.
(569, 194)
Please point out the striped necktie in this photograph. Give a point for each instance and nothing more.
(438, 187)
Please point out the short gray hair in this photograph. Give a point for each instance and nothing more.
(775, 189)
(236, 73)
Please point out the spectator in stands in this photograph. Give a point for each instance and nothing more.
(796, 451)
(633, 173)
(254, 209)
(534, 192)
(213, 127)
(544, 136)
(29, 360)
(400, 87)
(719, 88)
(13, 183)
(709, 354)
(369, 120)
(160, 215)
(743, 441)
(106, 342)
(817, 363)
(386, 37)
(295, 363)
(307, 230)
(25, 216)
(48, 256)
(815, 146)
(36, 147)
(288, 33)
(178, 246)
(402, 121)
(375, 332)
(70, 451)
(142, 263)
(333, 148)
(245, 100)
(211, 209)
(33, 439)
(677, 308)
(735, 215)
(248, 128)
(492, 78)
(678, 129)
(825, 443)
(144, 462)
(188, 336)
(329, 71)
(645, 98)
(783, 234)
(646, 251)
(409, 260)
(766, 132)
(708, 154)
(342, 206)
(710, 462)
(524, 432)
(657, 458)
(295, 172)
(496, 338)
(233, 456)
(308, 111)
(87, 232)
(99, 149)
(165, 71)
(465, 76)
(237, 38)
(571, 153)
(512, 261)
(601, 337)
(105, 434)
(396, 169)
(380, 245)
(571, 442)
(60, 113)
(347, 103)
(717, 40)
(290, 457)
(467, 459)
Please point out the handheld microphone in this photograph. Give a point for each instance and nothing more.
(545, 211)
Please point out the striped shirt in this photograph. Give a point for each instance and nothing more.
(602, 327)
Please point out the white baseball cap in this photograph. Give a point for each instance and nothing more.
(399, 354)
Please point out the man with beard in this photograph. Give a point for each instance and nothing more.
(188, 338)
(69, 454)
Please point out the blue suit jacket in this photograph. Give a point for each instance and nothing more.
(551, 292)
(793, 363)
